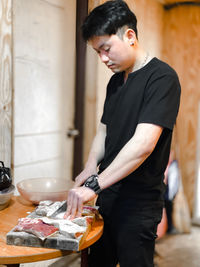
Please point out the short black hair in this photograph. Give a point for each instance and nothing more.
(107, 19)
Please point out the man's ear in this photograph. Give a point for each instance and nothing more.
(130, 36)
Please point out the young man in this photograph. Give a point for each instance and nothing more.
(132, 144)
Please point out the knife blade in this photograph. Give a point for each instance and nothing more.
(62, 208)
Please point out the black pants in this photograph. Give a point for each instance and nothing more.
(129, 233)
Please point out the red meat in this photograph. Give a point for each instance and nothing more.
(36, 227)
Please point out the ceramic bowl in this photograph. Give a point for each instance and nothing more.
(5, 196)
(35, 190)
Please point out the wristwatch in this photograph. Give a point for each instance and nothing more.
(92, 183)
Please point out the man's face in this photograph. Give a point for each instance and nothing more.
(115, 52)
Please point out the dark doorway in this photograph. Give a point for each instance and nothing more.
(81, 13)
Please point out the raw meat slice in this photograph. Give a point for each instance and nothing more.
(36, 227)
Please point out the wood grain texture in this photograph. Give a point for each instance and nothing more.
(91, 92)
(175, 1)
(92, 4)
(150, 24)
(181, 50)
(5, 81)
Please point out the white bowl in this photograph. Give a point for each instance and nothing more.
(5, 196)
(38, 189)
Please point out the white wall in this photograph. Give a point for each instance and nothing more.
(44, 53)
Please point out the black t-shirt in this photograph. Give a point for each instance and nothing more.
(150, 95)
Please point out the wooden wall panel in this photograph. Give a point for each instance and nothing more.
(149, 14)
(92, 4)
(164, 2)
(182, 51)
(5, 81)
(90, 93)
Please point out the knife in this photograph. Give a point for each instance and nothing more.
(62, 208)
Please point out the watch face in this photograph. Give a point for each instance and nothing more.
(90, 179)
(92, 183)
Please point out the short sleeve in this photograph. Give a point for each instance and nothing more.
(161, 101)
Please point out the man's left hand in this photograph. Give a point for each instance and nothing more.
(76, 198)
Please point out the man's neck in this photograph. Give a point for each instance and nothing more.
(141, 60)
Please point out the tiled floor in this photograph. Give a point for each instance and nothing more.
(181, 250)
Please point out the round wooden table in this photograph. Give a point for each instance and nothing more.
(14, 255)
